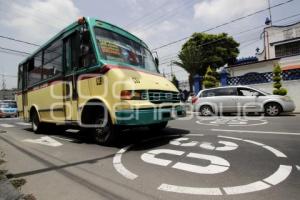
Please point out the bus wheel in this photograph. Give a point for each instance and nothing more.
(105, 132)
(157, 127)
(36, 125)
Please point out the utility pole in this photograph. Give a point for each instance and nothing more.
(270, 13)
(3, 82)
(172, 68)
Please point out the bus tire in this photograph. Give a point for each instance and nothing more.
(159, 126)
(106, 134)
(36, 125)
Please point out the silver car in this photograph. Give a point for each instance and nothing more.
(237, 99)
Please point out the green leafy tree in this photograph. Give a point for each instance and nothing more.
(209, 79)
(203, 50)
(277, 81)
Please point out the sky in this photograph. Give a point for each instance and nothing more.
(156, 22)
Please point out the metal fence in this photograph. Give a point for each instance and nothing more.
(256, 78)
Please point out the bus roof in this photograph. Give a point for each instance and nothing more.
(92, 22)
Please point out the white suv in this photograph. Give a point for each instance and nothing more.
(236, 99)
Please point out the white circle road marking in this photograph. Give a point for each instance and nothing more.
(273, 150)
(231, 122)
(117, 162)
(277, 177)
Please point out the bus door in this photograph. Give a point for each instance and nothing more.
(71, 55)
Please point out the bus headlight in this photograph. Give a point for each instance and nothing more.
(132, 95)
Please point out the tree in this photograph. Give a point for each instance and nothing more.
(209, 79)
(277, 81)
(203, 50)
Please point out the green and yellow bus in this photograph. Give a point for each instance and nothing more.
(97, 76)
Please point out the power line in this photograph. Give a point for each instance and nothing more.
(148, 14)
(224, 24)
(15, 51)
(17, 40)
(234, 34)
(163, 16)
(9, 75)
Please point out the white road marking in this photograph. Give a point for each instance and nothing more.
(61, 138)
(117, 162)
(178, 142)
(218, 164)
(207, 145)
(189, 190)
(241, 189)
(72, 130)
(277, 177)
(149, 157)
(45, 141)
(260, 132)
(280, 175)
(229, 146)
(298, 167)
(275, 151)
(7, 125)
(23, 123)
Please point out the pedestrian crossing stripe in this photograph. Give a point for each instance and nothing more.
(23, 123)
(4, 125)
(7, 125)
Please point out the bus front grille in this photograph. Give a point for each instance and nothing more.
(160, 96)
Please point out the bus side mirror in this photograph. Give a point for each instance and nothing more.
(156, 61)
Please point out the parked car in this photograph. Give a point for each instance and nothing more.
(236, 99)
(8, 108)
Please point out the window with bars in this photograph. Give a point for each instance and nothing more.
(288, 49)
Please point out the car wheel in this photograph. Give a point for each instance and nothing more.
(159, 126)
(206, 111)
(272, 109)
(36, 125)
(104, 133)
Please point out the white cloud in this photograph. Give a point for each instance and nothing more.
(221, 10)
(163, 28)
(38, 20)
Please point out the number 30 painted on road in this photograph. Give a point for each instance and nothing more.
(217, 164)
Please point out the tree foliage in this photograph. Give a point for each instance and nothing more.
(209, 79)
(277, 81)
(203, 50)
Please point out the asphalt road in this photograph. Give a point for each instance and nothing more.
(194, 158)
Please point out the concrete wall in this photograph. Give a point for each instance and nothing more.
(291, 86)
(277, 34)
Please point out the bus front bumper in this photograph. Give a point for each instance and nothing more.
(149, 116)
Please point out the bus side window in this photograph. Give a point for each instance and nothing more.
(52, 64)
(72, 51)
(87, 55)
(35, 69)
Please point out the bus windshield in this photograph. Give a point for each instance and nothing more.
(118, 48)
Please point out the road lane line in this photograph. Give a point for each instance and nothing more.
(189, 190)
(280, 175)
(23, 123)
(7, 125)
(260, 132)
